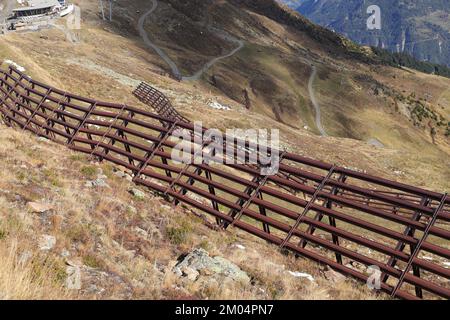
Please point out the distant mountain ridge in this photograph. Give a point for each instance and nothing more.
(419, 28)
(292, 3)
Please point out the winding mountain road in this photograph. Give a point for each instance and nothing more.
(197, 75)
(316, 105)
(175, 70)
(209, 64)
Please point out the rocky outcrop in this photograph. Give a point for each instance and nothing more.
(198, 264)
(418, 28)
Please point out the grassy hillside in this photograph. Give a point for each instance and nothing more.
(124, 245)
(359, 102)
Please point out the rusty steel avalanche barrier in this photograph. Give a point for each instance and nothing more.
(350, 221)
(158, 101)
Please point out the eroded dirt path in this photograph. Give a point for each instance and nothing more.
(174, 68)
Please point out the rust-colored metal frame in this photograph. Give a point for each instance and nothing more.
(155, 98)
(371, 220)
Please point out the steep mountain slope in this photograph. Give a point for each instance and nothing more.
(275, 66)
(123, 244)
(364, 107)
(362, 101)
(421, 28)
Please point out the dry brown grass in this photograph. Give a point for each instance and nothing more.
(109, 60)
(98, 227)
(102, 232)
(27, 275)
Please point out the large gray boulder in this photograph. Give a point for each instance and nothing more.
(198, 264)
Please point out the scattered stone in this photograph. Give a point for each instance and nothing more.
(102, 284)
(141, 232)
(137, 193)
(218, 106)
(65, 253)
(47, 242)
(37, 207)
(239, 246)
(123, 175)
(190, 273)
(120, 174)
(73, 280)
(43, 139)
(154, 232)
(17, 66)
(198, 264)
(446, 264)
(334, 276)
(301, 275)
(74, 263)
(49, 218)
(196, 197)
(132, 209)
(25, 257)
(375, 142)
(96, 183)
